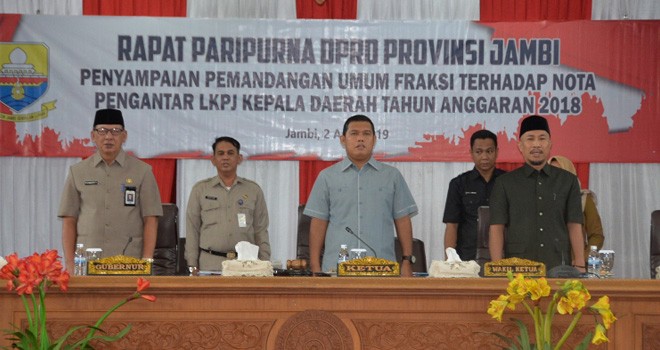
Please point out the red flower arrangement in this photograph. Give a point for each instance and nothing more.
(30, 277)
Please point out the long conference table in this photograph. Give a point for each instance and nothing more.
(305, 313)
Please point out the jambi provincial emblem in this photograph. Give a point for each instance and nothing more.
(23, 81)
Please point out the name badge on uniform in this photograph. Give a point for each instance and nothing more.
(91, 182)
(242, 220)
(130, 196)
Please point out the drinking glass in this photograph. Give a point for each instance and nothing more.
(358, 253)
(94, 254)
(607, 256)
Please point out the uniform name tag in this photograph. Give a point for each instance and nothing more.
(211, 198)
(91, 182)
(242, 220)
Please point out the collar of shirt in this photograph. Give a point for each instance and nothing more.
(547, 170)
(217, 182)
(120, 160)
(474, 174)
(347, 163)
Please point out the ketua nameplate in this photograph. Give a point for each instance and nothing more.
(515, 265)
(119, 265)
(369, 267)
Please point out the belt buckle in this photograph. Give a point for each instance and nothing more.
(231, 255)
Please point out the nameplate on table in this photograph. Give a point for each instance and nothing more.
(369, 267)
(119, 265)
(525, 267)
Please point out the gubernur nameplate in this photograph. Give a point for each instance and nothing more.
(119, 265)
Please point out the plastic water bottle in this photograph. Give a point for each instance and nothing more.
(594, 262)
(343, 255)
(80, 261)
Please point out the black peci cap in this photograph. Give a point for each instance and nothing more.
(533, 122)
(109, 116)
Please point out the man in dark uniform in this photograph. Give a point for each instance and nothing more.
(467, 192)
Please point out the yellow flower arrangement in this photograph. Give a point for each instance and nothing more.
(570, 299)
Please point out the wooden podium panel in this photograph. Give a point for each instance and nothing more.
(291, 313)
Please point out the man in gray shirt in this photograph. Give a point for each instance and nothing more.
(364, 196)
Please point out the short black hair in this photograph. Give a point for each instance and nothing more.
(358, 118)
(483, 134)
(231, 140)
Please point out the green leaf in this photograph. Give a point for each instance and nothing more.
(84, 343)
(524, 335)
(584, 344)
(512, 344)
(60, 341)
(111, 338)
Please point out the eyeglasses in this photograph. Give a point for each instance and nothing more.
(113, 131)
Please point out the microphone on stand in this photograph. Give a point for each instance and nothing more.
(563, 270)
(348, 229)
(130, 239)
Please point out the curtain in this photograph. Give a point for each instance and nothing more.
(278, 180)
(536, 10)
(30, 191)
(165, 173)
(625, 9)
(418, 10)
(43, 7)
(309, 170)
(326, 9)
(153, 8)
(429, 183)
(280, 9)
(627, 195)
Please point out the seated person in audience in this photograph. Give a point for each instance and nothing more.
(469, 191)
(538, 204)
(592, 228)
(363, 195)
(110, 200)
(224, 210)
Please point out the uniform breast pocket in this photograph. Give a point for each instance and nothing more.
(471, 201)
(91, 191)
(385, 194)
(343, 193)
(210, 212)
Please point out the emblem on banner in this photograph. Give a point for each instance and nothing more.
(23, 81)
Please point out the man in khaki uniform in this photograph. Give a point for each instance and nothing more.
(111, 199)
(224, 210)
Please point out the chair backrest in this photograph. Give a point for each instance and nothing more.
(182, 265)
(418, 251)
(166, 254)
(655, 242)
(302, 240)
(483, 226)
